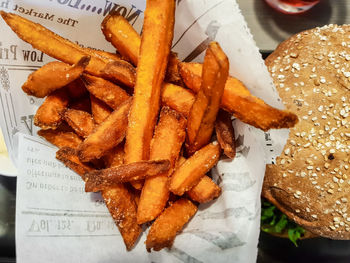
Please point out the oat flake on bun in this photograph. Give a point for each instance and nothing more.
(310, 181)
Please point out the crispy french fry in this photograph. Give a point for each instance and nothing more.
(107, 135)
(69, 156)
(100, 110)
(122, 36)
(164, 229)
(194, 168)
(154, 52)
(62, 49)
(168, 138)
(52, 76)
(121, 201)
(104, 90)
(203, 113)
(61, 138)
(225, 133)
(122, 207)
(81, 104)
(240, 102)
(127, 41)
(49, 114)
(177, 98)
(205, 191)
(115, 156)
(110, 177)
(180, 161)
(76, 89)
(108, 55)
(172, 72)
(80, 121)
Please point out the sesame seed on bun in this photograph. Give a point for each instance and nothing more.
(310, 181)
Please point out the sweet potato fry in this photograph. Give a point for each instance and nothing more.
(164, 229)
(62, 49)
(76, 89)
(168, 138)
(100, 110)
(81, 104)
(172, 72)
(205, 191)
(108, 55)
(61, 138)
(104, 90)
(52, 76)
(154, 52)
(49, 114)
(69, 156)
(194, 168)
(107, 135)
(127, 41)
(115, 156)
(240, 102)
(122, 36)
(102, 179)
(225, 133)
(203, 113)
(122, 207)
(121, 201)
(80, 121)
(177, 98)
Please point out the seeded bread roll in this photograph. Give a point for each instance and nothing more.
(310, 181)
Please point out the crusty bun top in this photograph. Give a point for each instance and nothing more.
(310, 181)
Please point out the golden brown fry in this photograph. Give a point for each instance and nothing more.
(107, 55)
(80, 121)
(115, 156)
(52, 76)
(61, 138)
(240, 102)
(62, 49)
(49, 114)
(110, 177)
(205, 191)
(172, 72)
(127, 41)
(82, 104)
(154, 52)
(177, 98)
(107, 135)
(69, 156)
(121, 205)
(164, 229)
(121, 201)
(194, 168)
(104, 90)
(203, 113)
(180, 161)
(122, 35)
(100, 110)
(225, 133)
(76, 89)
(168, 138)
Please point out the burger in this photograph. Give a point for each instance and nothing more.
(310, 181)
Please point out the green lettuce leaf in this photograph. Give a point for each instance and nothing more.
(274, 221)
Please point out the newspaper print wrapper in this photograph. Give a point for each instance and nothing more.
(56, 221)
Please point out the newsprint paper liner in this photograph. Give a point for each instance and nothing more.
(56, 221)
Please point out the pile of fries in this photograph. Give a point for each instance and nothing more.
(138, 125)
